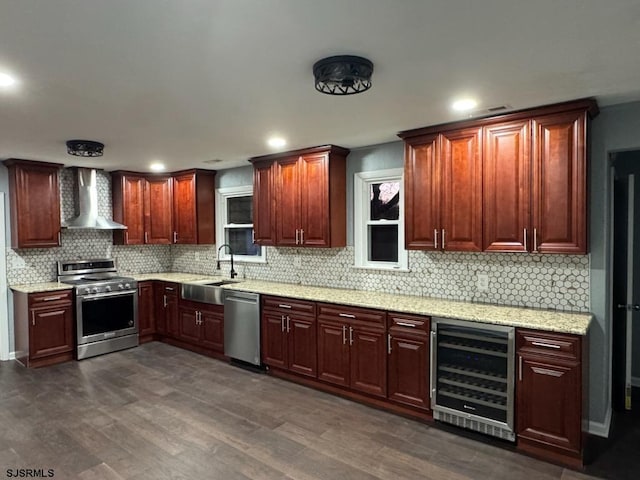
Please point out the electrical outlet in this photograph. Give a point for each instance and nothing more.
(483, 282)
(197, 256)
(297, 261)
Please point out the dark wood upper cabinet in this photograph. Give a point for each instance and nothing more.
(34, 203)
(158, 209)
(305, 198)
(461, 190)
(510, 183)
(559, 183)
(128, 207)
(422, 193)
(263, 204)
(164, 209)
(193, 207)
(507, 186)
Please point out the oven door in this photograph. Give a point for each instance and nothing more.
(106, 315)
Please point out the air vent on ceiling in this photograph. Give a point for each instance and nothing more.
(490, 110)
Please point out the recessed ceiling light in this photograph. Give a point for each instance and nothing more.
(7, 80)
(276, 142)
(464, 104)
(157, 167)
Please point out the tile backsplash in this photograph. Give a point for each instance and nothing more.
(539, 281)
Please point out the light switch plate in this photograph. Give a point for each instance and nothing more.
(483, 282)
(297, 261)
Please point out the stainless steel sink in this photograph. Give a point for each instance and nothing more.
(211, 292)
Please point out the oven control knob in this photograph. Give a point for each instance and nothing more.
(94, 290)
(87, 290)
(107, 288)
(120, 286)
(127, 286)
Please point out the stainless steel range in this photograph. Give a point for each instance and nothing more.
(106, 306)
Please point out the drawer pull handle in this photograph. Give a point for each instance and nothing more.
(346, 315)
(350, 335)
(51, 299)
(282, 305)
(404, 324)
(169, 289)
(344, 334)
(545, 345)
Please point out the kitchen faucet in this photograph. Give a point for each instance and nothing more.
(233, 272)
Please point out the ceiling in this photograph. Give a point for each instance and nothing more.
(186, 82)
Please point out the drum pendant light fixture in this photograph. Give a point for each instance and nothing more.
(343, 75)
(85, 148)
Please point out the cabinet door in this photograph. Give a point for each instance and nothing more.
(302, 345)
(133, 209)
(160, 305)
(189, 324)
(35, 206)
(158, 214)
(462, 190)
(409, 369)
(51, 331)
(263, 204)
(274, 339)
(184, 208)
(507, 187)
(146, 317)
(422, 194)
(333, 353)
(559, 183)
(288, 202)
(368, 361)
(212, 330)
(171, 316)
(314, 200)
(549, 402)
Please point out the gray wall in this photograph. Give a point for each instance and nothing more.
(617, 128)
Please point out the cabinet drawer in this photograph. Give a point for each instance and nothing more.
(170, 288)
(290, 305)
(406, 322)
(44, 298)
(342, 313)
(548, 344)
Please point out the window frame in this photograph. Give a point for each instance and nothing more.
(222, 195)
(361, 216)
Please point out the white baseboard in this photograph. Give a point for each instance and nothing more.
(12, 355)
(635, 381)
(601, 429)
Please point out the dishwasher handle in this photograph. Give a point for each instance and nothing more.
(242, 297)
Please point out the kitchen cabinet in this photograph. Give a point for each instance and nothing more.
(307, 204)
(164, 209)
(146, 313)
(352, 347)
(549, 393)
(193, 207)
(408, 365)
(264, 226)
(510, 183)
(34, 197)
(43, 327)
(507, 186)
(166, 308)
(560, 183)
(202, 325)
(289, 335)
(443, 191)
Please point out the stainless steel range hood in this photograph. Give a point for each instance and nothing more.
(87, 196)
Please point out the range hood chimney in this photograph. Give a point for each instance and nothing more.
(88, 217)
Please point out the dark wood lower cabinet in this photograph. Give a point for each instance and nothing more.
(549, 395)
(409, 369)
(146, 311)
(289, 340)
(368, 360)
(166, 308)
(44, 327)
(333, 353)
(212, 329)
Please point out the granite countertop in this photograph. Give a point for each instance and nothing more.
(41, 287)
(551, 320)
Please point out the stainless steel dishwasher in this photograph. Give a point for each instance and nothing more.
(242, 326)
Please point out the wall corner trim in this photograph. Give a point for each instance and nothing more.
(601, 429)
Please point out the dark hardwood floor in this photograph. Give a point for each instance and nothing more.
(159, 412)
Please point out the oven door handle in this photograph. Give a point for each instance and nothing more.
(99, 296)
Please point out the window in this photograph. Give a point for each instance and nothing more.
(379, 220)
(234, 224)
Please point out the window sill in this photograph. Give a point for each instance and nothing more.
(382, 269)
(237, 260)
